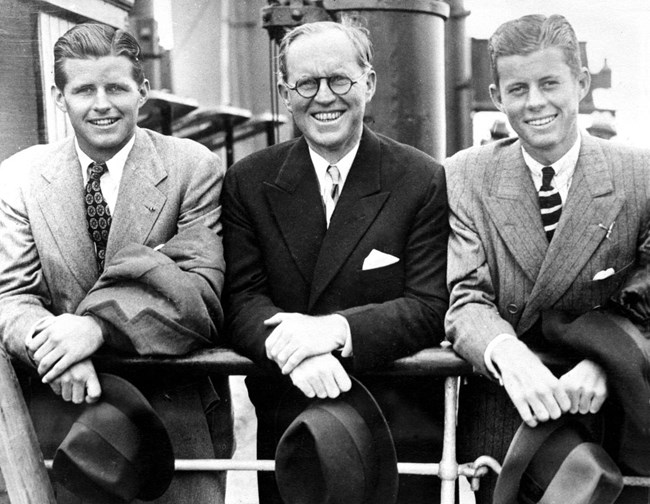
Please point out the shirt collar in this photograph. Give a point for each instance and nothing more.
(344, 164)
(564, 167)
(115, 165)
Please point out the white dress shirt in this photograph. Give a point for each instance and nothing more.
(110, 181)
(564, 169)
(320, 167)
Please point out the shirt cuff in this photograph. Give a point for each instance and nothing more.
(103, 327)
(487, 355)
(346, 349)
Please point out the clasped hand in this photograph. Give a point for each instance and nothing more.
(61, 349)
(538, 395)
(302, 345)
(297, 337)
(321, 376)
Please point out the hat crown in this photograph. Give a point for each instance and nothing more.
(338, 451)
(557, 462)
(117, 449)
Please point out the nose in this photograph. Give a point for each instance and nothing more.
(324, 94)
(101, 100)
(536, 97)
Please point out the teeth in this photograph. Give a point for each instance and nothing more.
(541, 122)
(103, 122)
(327, 116)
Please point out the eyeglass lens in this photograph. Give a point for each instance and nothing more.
(338, 84)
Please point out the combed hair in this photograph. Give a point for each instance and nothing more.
(532, 33)
(95, 40)
(359, 36)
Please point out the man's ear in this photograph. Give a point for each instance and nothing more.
(284, 94)
(371, 85)
(144, 89)
(59, 99)
(495, 94)
(584, 82)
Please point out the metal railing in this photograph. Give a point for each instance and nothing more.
(442, 362)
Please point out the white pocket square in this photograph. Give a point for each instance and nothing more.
(601, 275)
(377, 259)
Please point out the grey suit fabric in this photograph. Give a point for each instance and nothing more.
(502, 272)
(47, 267)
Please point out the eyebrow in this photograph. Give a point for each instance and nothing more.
(76, 87)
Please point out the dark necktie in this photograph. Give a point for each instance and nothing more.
(98, 214)
(550, 202)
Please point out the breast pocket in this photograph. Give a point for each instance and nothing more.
(382, 284)
(609, 285)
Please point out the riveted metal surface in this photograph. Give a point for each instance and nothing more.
(409, 103)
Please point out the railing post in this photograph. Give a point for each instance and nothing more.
(21, 459)
(448, 471)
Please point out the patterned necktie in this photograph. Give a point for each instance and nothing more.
(550, 202)
(98, 214)
(332, 190)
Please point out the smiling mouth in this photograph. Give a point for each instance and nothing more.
(543, 121)
(327, 116)
(103, 122)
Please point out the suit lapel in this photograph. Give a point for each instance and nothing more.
(294, 199)
(140, 199)
(60, 197)
(358, 206)
(591, 205)
(514, 208)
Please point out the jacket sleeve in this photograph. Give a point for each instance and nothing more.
(248, 301)
(24, 297)
(473, 318)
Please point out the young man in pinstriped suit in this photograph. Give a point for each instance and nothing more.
(509, 260)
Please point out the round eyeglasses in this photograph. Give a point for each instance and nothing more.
(338, 84)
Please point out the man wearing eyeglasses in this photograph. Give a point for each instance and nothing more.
(336, 250)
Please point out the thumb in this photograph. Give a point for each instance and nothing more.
(274, 320)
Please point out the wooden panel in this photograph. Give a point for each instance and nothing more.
(19, 125)
(50, 28)
(112, 12)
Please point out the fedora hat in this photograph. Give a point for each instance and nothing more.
(617, 344)
(557, 462)
(338, 451)
(117, 449)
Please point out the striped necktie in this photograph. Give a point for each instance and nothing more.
(98, 214)
(550, 202)
(331, 191)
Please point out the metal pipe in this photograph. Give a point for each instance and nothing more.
(269, 465)
(448, 472)
(408, 38)
(458, 80)
(224, 52)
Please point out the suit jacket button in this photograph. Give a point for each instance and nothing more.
(512, 308)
